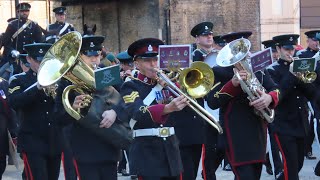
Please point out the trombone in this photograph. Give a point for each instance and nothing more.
(199, 81)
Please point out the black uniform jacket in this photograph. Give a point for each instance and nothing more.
(31, 34)
(150, 155)
(86, 146)
(39, 131)
(6, 118)
(306, 53)
(56, 30)
(244, 131)
(291, 116)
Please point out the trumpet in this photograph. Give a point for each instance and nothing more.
(189, 86)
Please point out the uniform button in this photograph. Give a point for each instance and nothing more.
(194, 117)
(31, 33)
(164, 139)
(299, 107)
(49, 124)
(45, 100)
(24, 36)
(295, 87)
(47, 112)
(298, 97)
(24, 30)
(24, 42)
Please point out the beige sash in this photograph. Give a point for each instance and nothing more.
(21, 29)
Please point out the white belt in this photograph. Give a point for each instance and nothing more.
(158, 132)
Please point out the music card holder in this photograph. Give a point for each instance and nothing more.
(174, 57)
(303, 65)
(261, 60)
(107, 76)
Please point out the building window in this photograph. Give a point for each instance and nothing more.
(277, 7)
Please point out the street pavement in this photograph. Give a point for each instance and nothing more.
(306, 173)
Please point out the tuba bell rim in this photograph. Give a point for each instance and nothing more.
(48, 64)
(226, 57)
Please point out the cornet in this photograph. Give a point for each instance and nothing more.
(306, 76)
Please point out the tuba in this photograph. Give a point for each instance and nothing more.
(197, 81)
(63, 60)
(235, 53)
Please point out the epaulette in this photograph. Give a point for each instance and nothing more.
(14, 77)
(300, 52)
(11, 22)
(271, 66)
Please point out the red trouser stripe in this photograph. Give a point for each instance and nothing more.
(76, 167)
(27, 168)
(285, 167)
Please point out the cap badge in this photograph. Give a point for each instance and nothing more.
(40, 51)
(206, 27)
(145, 79)
(318, 36)
(150, 48)
(91, 44)
(291, 38)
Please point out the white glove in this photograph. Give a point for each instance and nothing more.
(15, 53)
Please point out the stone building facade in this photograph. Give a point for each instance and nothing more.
(125, 21)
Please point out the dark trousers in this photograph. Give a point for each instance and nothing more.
(123, 161)
(97, 171)
(247, 172)
(68, 163)
(212, 159)
(317, 169)
(68, 166)
(190, 156)
(41, 167)
(3, 163)
(292, 150)
(278, 166)
(158, 178)
(309, 138)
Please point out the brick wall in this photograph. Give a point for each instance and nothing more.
(124, 21)
(226, 15)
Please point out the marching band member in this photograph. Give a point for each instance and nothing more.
(204, 40)
(278, 166)
(291, 114)
(213, 153)
(128, 70)
(154, 151)
(94, 158)
(309, 52)
(244, 135)
(7, 122)
(272, 44)
(39, 135)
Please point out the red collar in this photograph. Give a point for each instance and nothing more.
(145, 79)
